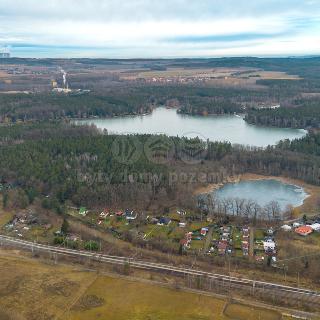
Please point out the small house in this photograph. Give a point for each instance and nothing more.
(222, 247)
(104, 213)
(269, 245)
(245, 230)
(83, 211)
(189, 236)
(164, 221)
(185, 243)
(270, 231)
(304, 230)
(154, 220)
(297, 225)
(315, 226)
(259, 258)
(286, 228)
(204, 231)
(131, 216)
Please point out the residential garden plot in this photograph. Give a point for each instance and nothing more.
(198, 225)
(236, 237)
(259, 234)
(32, 223)
(197, 245)
(176, 234)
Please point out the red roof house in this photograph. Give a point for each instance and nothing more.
(304, 230)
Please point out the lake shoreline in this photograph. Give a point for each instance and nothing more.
(220, 128)
(310, 203)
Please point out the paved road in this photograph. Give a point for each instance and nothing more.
(234, 282)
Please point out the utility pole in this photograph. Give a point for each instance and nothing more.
(229, 276)
(285, 269)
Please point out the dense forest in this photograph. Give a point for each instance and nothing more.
(22, 107)
(305, 115)
(127, 100)
(132, 100)
(310, 144)
(60, 163)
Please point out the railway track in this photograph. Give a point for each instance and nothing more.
(225, 280)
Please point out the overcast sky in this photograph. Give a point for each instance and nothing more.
(160, 28)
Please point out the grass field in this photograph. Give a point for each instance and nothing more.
(34, 290)
(5, 217)
(122, 300)
(243, 312)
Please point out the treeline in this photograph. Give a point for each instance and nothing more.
(246, 208)
(204, 100)
(291, 87)
(188, 99)
(130, 100)
(22, 107)
(306, 115)
(15, 134)
(310, 144)
(210, 107)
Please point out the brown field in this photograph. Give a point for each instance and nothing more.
(233, 73)
(33, 289)
(3, 74)
(5, 217)
(186, 72)
(242, 312)
(217, 77)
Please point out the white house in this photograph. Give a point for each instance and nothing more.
(315, 227)
(269, 245)
(286, 227)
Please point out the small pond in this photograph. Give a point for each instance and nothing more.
(268, 193)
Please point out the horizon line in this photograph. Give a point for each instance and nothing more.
(296, 56)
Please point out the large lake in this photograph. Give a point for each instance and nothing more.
(230, 128)
(263, 192)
